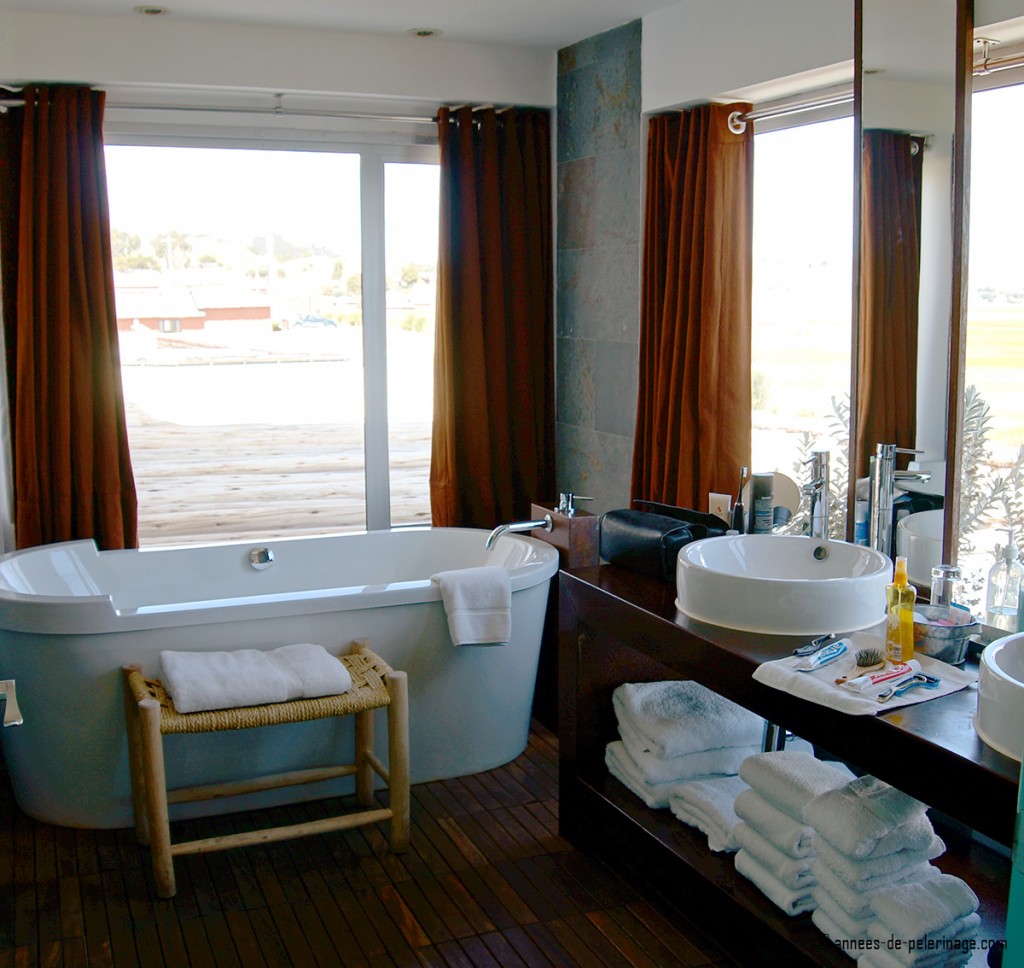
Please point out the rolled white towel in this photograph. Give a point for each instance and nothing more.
(620, 764)
(948, 945)
(792, 872)
(920, 908)
(860, 873)
(789, 779)
(197, 681)
(708, 806)
(790, 901)
(858, 901)
(322, 674)
(779, 828)
(858, 817)
(724, 761)
(677, 717)
(478, 604)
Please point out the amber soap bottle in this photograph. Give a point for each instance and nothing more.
(900, 596)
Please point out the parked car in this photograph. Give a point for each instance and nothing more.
(312, 320)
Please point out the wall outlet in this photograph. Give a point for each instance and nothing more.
(720, 504)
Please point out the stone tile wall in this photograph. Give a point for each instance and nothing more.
(599, 206)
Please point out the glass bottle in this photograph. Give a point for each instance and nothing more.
(900, 597)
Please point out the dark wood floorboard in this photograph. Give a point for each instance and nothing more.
(487, 881)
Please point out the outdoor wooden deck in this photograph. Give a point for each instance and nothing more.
(487, 882)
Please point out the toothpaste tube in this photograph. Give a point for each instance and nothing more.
(865, 682)
(823, 657)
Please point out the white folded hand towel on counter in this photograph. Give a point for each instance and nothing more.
(792, 872)
(708, 806)
(868, 817)
(677, 717)
(620, 764)
(857, 903)
(790, 901)
(478, 603)
(778, 827)
(851, 927)
(949, 945)
(724, 761)
(835, 932)
(198, 681)
(920, 908)
(789, 779)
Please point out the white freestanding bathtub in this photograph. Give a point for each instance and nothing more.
(71, 616)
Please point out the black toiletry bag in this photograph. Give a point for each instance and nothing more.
(648, 541)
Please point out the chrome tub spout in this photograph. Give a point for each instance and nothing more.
(12, 714)
(517, 526)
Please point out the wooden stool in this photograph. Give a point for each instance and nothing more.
(150, 713)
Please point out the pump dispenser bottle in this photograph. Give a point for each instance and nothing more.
(899, 627)
(1004, 588)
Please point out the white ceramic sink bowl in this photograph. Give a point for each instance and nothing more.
(999, 720)
(919, 537)
(776, 584)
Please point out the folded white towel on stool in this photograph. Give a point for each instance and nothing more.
(322, 674)
(789, 779)
(851, 944)
(949, 945)
(724, 761)
(790, 901)
(478, 603)
(198, 681)
(620, 764)
(858, 817)
(861, 873)
(708, 806)
(913, 910)
(881, 958)
(677, 717)
(793, 872)
(777, 827)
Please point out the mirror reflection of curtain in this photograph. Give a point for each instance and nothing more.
(890, 273)
(493, 449)
(72, 473)
(694, 402)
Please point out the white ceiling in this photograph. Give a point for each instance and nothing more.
(549, 24)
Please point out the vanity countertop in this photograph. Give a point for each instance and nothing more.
(929, 749)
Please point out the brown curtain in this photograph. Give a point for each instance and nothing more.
(493, 441)
(693, 409)
(890, 272)
(72, 474)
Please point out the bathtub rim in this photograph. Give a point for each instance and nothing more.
(24, 612)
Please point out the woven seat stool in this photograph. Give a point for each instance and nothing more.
(150, 713)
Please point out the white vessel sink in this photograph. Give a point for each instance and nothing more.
(782, 584)
(999, 720)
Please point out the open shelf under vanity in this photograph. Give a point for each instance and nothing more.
(617, 627)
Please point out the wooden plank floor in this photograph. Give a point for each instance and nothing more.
(486, 882)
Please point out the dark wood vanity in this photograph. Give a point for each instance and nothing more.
(616, 626)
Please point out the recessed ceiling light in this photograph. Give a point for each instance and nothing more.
(151, 11)
(425, 32)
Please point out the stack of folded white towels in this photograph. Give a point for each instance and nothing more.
(873, 846)
(776, 850)
(923, 924)
(681, 747)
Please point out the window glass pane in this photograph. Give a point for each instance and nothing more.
(803, 226)
(992, 488)
(410, 235)
(237, 279)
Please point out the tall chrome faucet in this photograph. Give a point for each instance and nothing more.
(818, 489)
(883, 487)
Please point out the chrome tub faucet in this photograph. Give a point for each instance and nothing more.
(517, 526)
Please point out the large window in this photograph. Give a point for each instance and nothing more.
(992, 497)
(803, 226)
(275, 310)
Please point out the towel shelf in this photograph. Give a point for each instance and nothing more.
(150, 714)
